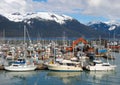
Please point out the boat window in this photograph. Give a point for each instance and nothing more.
(70, 64)
(61, 63)
(105, 65)
(15, 65)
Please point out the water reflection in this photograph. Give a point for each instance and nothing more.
(15, 78)
(59, 78)
(21, 75)
(67, 77)
(43, 77)
(96, 77)
(100, 74)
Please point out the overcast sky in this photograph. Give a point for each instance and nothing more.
(82, 10)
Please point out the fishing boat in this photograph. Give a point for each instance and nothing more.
(98, 65)
(20, 65)
(65, 65)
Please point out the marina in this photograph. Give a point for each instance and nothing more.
(44, 54)
(58, 62)
(46, 77)
(59, 42)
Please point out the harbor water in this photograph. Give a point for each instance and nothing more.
(46, 77)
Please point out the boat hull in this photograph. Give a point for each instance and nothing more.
(100, 68)
(20, 68)
(56, 67)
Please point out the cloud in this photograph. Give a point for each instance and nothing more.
(61, 6)
(105, 8)
(10, 6)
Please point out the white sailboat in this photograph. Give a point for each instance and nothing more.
(21, 64)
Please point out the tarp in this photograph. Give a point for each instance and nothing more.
(102, 50)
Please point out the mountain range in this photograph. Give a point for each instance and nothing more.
(44, 24)
(110, 28)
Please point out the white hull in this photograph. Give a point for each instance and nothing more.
(101, 68)
(57, 67)
(20, 68)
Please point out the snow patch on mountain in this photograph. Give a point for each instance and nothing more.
(112, 28)
(17, 17)
(110, 23)
(93, 22)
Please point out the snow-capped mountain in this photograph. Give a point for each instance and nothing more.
(107, 27)
(111, 23)
(18, 17)
(45, 24)
(98, 25)
(104, 25)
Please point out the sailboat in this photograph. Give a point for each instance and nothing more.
(21, 64)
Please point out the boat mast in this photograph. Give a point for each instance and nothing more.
(3, 36)
(24, 34)
(24, 43)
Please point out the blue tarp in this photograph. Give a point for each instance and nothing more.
(102, 51)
